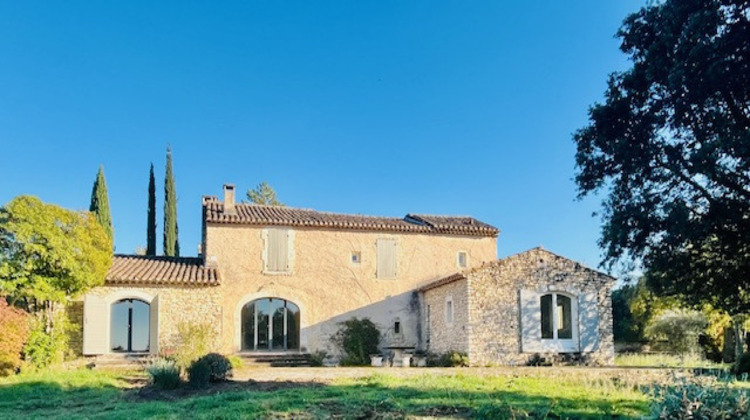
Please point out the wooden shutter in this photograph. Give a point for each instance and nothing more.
(278, 250)
(531, 322)
(95, 325)
(153, 326)
(588, 315)
(387, 258)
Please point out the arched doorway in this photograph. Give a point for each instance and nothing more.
(270, 324)
(130, 326)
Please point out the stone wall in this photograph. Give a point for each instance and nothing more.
(327, 286)
(176, 305)
(494, 308)
(447, 336)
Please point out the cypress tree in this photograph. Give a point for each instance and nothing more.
(151, 222)
(100, 203)
(171, 243)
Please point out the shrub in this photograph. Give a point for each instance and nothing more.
(680, 329)
(164, 373)
(742, 366)
(695, 399)
(199, 374)
(235, 361)
(193, 341)
(219, 366)
(448, 359)
(14, 325)
(317, 358)
(48, 340)
(358, 339)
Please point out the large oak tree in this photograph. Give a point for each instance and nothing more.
(669, 148)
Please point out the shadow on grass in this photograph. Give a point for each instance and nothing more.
(364, 398)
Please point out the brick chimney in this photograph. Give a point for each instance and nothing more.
(229, 199)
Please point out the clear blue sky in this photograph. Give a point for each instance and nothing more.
(383, 108)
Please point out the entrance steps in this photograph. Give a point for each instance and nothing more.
(276, 359)
(119, 361)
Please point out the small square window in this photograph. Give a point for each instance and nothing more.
(356, 257)
(463, 259)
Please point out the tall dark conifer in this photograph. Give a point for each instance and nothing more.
(151, 222)
(100, 203)
(171, 243)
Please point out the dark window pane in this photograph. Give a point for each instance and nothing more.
(119, 326)
(277, 330)
(139, 328)
(263, 322)
(248, 326)
(546, 306)
(564, 318)
(292, 326)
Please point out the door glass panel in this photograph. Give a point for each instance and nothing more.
(262, 321)
(292, 326)
(139, 328)
(248, 326)
(546, 304)
(119, 326)
(564, 318)
(277, 326)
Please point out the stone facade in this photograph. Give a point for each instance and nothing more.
(445, 332)
(327, 286)
(175, 305)
(493, 322)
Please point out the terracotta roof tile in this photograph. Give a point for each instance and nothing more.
(254, 214)
(138, 269)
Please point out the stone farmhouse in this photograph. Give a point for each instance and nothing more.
(280, 279)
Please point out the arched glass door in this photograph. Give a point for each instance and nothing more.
(129, 330)
(270, 324)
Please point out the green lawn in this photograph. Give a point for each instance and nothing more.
(96, 394)
(666, 360)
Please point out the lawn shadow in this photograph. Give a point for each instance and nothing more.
(363, 398)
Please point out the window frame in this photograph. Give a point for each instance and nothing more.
(556, 343)
(450, 310)
(466, 259)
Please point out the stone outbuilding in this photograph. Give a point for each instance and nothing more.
(529, 305)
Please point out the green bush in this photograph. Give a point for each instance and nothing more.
(448, 359)
(742, 366)
(48, 340)
(219, 366)
(696, 399)
(199, 374)
(317, 358)
(358, 339)
(14, 324)
(235, 361)
(193, 341)
(164, 373)
(680, 329)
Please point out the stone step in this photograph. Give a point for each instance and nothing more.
(276, 359)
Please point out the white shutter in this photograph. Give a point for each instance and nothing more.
(277, 250)
(95, 325)
(153, 326)
(588, 315)
(387, 258)
(531, 322)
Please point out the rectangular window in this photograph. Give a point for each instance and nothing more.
(547, 317)
(463, 259)
(449, 310)
(356, 257)
(397, 327)
(386, 258)
(277, 251)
